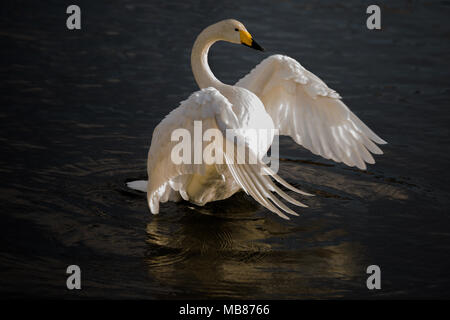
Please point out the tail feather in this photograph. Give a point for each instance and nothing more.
(139, 185)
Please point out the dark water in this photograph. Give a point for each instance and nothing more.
(78, 109)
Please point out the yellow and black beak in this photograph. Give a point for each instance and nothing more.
(247, 40)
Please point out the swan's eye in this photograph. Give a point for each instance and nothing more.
(236, 29)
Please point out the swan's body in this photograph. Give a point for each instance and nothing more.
(279, 93)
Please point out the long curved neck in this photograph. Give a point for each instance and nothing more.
(199, 60)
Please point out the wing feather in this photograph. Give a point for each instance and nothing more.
(168, 180)
(255, 180)
(303, 107)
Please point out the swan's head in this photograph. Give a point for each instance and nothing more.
(231, 30)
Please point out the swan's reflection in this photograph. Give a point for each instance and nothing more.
(239, 252)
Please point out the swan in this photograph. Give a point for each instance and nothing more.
(278, 94)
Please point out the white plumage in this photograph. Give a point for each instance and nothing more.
(278, 93)
(303, 107)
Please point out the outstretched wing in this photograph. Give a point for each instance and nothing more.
(303, 107)
(168, 180)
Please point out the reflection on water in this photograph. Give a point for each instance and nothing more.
(79, 108)
(235, 254)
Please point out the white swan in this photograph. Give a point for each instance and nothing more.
(278, 93)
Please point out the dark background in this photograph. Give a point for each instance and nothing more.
(78, 109)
